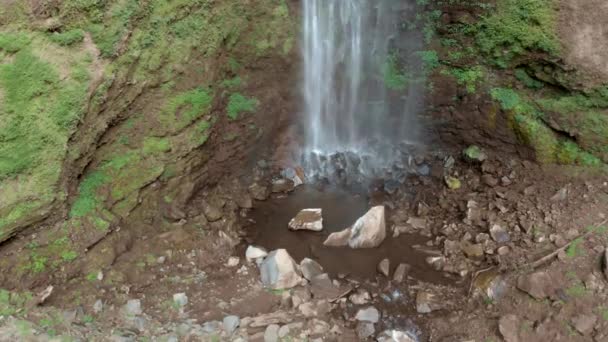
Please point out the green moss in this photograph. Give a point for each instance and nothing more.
(470, 78)
(184, 108)
(154, 145)
(517, 26)
(528, 81)
(238, 104)
(68, 256)
(232, 83)
(88, 199)
(13, 42)
(430, 59)
(67, 38)
(395, 78)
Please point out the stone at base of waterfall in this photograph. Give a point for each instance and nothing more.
(396, 336)
(307, 219)
(254, 253)
(310, 268)
(370, 230)
(338, 239)
(279, 271)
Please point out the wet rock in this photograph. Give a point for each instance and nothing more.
(401, 272)
(318, 327)
(277, 317)
(538, 285)
(212, 212)
(490, 284)
(438, 262)
(509, 326)
(279, 271)
(384, 267)
(360, 297)
(417, 223)
(369, 230)
(271, 334)
(338, 239)
(365, 330)
(561, 195)
(230, 323)
(473, 213)
(472, 250)
(253, 253)
(482, 237)
(474, 154)
(396, 336)
(133, 307)
(499, 234)
(244, 201)
(282, 186)
(452, 183)
(180, 299)
(425, 302)
(391, 186)
(310, 268)
(307, 219)
(369, 314)
(259, 192)
(314, 309)
(284, 331)
(504, 250)
(293, 175)
(584, 323)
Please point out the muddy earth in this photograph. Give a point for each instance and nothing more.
(152, 185)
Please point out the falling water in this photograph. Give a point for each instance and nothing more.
(348, 109)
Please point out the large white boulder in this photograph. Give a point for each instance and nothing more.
(370, 230)
(338, 239)
(279, 271)
(307, 219)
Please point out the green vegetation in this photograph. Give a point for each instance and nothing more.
(232, 83)
(430, 59)
(468, 77)
(12, 302)
(515, 27)
(528, 81)
(238, 104)
(67, 38)
(574, 249)
(88, 199)
(182, 109)
(395, 78)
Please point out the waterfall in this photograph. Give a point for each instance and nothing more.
(349, 113)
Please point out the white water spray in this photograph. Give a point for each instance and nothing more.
(348, 109)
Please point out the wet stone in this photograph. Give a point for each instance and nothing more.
(282, 186)
(369, 231)
(384, 267)
(538, 285)
(259, 192)
(230, 323)
(499, 234)
(308, 219)
(584, 323)
(360, 297)
(253, 253)
(509, 326)
(279, 271)
(365, 330)
(310, 268)
(370, 314)
(401, 272)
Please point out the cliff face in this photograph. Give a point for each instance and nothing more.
(520, 75)
(103, 98)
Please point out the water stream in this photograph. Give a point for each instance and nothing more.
(359, 98)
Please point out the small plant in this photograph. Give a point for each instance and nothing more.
(69, 256)
(67, 38)
(394, 77)
(238, 104)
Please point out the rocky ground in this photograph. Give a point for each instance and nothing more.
(519, 251)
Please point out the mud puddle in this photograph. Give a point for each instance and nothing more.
(341, 208)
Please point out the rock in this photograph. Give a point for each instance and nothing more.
(473, 213)
(293, 175)
(98, 306)
(253, 253)
(425, 302)
(307, 219)
(230, 323)
(560, 195)
(452, 183)
(365, 330)
(180, 299)
(499, 234)
(401, 272)
(277, 317)
(369, 314)
(417, 222)
(472, 250)
(284, 331)
(396, 336)
(310, 268)
(279, 271)
(489, 180)
(338, 239)
(584, 323)
(384, 267)
(233, 261)
(211, 327)
(502, 251)
(509, 326)
(259, 192)
(318, 327)
(369, 230)
(538, 285)
(272, 333)
(308, 310)
(360, 297)
(244, 201)
(391, 186)
(133, 307)
(475, 154)
(282, 185)
(212, 212)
